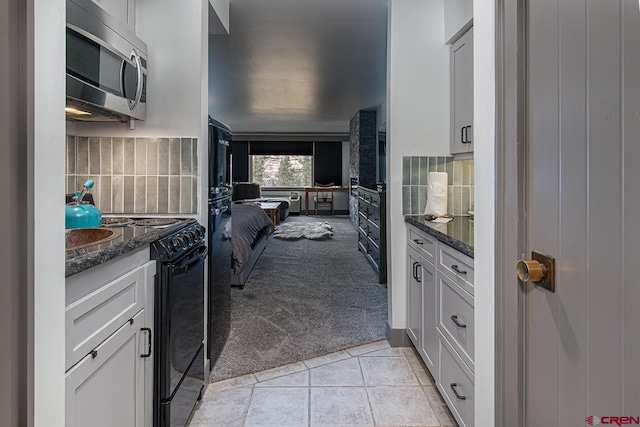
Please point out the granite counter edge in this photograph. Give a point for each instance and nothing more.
(92, 259)
(463, 247)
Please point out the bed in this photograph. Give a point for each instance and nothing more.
(250, 229)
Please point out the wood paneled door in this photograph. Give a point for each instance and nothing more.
(574, 352)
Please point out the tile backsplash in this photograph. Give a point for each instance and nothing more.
(136, 175)
(414, 183)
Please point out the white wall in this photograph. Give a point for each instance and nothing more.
(203, 146)
(176, 34)
(484, 106)
(458, 18)
(417, 118)
(45, 175)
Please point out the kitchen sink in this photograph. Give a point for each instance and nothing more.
(78, 238)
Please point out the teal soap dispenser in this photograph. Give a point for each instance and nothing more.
(81, 214)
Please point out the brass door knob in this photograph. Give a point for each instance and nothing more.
(530, 271)
(540, 269)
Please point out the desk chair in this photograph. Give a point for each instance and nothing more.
(323, 197)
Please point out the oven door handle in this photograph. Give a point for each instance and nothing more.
(197, 257)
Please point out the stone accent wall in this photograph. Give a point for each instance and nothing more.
(136, 175)
(363, 138)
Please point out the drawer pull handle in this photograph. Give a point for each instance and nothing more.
(454, 318)
(455, 268)
(418, 241)
(148, 353)
(459, 396)
(94, 353)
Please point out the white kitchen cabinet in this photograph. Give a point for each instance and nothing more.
(440, 317)
(429, 340)
(107, 387)
(414, 302)
(461, 69)
(422, 308)
(123, 10)
(109, 363)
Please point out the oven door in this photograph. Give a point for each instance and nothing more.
(180, 314)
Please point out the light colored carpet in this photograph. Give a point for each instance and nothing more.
(305, 298)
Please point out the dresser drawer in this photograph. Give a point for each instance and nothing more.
(456, 383)
(457, 266)
(455, 317)
(92, 319)
(423, 243)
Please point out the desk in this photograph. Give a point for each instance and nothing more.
(273, 210)
(308, 190)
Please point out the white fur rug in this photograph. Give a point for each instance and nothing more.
(309, 230)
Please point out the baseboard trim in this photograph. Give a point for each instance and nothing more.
(397, 337)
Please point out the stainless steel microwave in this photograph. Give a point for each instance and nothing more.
(106, 66)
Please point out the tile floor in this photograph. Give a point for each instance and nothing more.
(369, 385)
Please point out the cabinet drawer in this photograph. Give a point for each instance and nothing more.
(373, 212)
(457, 266)
(90, 320)
(363, 240)
(423, 243)
(456, 305)
(455, 377)
(107, 389)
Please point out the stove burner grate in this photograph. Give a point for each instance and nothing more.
(116, 221)
(156, 222)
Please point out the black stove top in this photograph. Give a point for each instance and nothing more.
(116, 221)
(161, 222)
(178, 236)
(157, 222)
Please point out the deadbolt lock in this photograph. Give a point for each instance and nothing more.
(540, 269)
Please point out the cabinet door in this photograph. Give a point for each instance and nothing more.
(414, 296)
(123, 10)
(462, 94)
(429, 342)
(107, 388)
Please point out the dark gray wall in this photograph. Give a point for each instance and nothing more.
(13, 304)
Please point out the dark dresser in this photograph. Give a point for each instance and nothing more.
(372, 229)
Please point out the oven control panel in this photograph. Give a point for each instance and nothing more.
(180, 241)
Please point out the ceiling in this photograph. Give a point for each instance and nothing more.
(298, 66)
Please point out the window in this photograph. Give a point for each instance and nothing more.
(281, 170)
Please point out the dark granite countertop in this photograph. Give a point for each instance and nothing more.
(131, 238)
(457, 233)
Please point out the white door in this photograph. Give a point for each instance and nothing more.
(581, 343)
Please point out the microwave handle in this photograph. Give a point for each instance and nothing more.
(139, 85)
